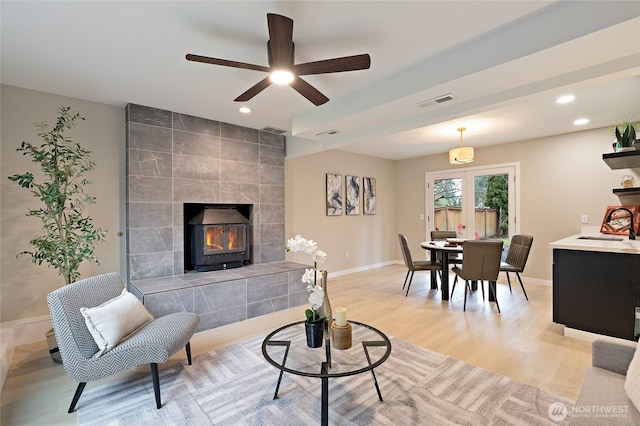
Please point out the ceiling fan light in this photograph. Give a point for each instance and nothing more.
(281, 76)
(461, 155)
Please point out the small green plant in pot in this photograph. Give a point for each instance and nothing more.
(68, 236)
(625, 135)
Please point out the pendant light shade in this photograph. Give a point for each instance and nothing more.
(462, 154)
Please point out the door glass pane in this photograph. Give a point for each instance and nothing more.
(214, 239)
(447, 203)
(491, 206)
(478, 203)
(236, 237)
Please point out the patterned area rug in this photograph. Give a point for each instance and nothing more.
(235, 385)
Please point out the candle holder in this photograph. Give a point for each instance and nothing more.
(340, 336)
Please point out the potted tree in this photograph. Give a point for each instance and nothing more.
(68, 236)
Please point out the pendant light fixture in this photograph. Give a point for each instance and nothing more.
(462, 154)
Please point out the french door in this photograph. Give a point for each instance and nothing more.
(476, 202)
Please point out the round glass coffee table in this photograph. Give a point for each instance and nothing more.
(286, 349)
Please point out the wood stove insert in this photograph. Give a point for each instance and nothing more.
(217, 236)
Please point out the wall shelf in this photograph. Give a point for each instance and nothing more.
(627, 191)
(622, 160)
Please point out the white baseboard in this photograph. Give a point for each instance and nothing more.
(502, 278)
(31, 330)
(17, 333)
(7, 347)
(363, 268)
(590, 337)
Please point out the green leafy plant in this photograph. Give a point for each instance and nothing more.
(625, 134)
(68, 236)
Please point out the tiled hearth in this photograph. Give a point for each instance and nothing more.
(225, 297)
(173, 159)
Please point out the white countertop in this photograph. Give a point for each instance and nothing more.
(575, 243)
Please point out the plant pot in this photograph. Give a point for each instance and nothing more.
(53, 347)
(626, 149)
(315, 333)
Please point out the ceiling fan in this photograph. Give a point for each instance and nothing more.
(280, 52)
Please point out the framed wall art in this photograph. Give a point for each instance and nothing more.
(334, 194)
(369, 195)
(352, 195)
(620, 221)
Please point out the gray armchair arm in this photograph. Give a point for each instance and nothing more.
(612, 356)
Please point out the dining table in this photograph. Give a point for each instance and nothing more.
(447, 248)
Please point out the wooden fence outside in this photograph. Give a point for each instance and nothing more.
(448, 218)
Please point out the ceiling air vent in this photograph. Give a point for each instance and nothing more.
(328, 133)
(275, 130)
(439, 100)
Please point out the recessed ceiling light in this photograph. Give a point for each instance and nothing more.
(565, 99)
(281, 77)
(581, 121)
(245, 110)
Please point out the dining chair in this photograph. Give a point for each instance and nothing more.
(480, 262)
(517, 255)
(454, 258)
(412, 266)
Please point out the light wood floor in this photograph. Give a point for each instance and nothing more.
(522, 343)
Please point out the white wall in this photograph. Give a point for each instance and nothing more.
(368, 239)
(23, 284)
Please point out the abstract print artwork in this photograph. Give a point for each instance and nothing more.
(369, 195)
(334, 194)
(352, 195)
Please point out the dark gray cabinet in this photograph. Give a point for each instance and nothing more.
(596, 291)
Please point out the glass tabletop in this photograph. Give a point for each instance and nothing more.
(286, 348)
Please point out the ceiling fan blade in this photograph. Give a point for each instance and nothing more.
(254, 90)
(346, 63)
(280, 40)
(225, 63)
(308, 91)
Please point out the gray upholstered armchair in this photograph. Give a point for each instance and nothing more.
(152, 343)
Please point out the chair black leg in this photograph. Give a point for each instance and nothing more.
(156, 383)
(466, 288)
(491, 284)
(482, 288)
(509, 281)
(409, 286)
(76, 396)
(453, 287)
(522, 285)
(405, 279)
(188, 348)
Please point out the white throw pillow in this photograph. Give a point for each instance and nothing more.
(115, 319)
(632, 382)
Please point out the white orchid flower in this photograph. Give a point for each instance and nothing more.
(297, 244)
(319, 256)
(309, 276)
(316, 298)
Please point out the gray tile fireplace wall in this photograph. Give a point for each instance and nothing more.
(173, 159)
